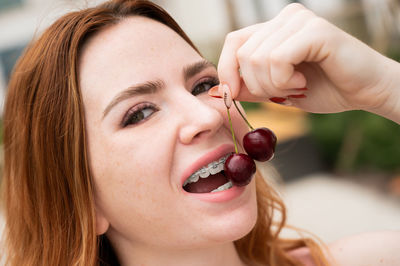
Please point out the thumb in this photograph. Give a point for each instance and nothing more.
(245, 95)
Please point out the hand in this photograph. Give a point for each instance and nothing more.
(297, 49)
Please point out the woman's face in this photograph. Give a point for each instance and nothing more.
(150, 125)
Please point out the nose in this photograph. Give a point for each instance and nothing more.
(200, 119)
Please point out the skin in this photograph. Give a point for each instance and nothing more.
(140, 203)
(367, 249)
(298, 49)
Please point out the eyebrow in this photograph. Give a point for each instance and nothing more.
(151, 87)
(192, 69)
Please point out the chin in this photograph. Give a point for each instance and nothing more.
(236, 223)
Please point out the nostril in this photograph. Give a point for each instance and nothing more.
(200, 134)
(197, 135)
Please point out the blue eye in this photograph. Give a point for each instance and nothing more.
(204, 86)
(138, 114)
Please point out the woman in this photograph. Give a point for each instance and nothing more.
(107, 116)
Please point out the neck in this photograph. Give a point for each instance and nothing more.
(221, 254)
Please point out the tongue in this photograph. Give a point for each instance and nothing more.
(206, 185)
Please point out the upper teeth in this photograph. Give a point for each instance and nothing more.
(211, 169)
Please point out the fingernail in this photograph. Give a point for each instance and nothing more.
(227, 96)
(281, 101)
(298, 96)
(213, 92)
(278, 100)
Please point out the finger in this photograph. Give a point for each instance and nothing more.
(247, 96)
(267, 29)
(262, 57)
(246, 59)
(228, 65)
(250, 79)
(290, 79)
(304, 46)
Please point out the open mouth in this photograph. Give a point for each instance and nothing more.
(209, 179)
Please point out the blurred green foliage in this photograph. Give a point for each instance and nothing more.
(394, 53)
(356, 140)
(250, 105)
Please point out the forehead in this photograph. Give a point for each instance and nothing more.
(136, 49)
(134, 38)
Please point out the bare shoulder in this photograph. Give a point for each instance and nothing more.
(303, 255)
(375, 248)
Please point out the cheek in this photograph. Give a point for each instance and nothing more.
(129, 173)
(133, 188)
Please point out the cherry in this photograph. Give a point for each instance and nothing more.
(239, 168)
(260, 144)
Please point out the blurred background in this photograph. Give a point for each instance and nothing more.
(339, 174)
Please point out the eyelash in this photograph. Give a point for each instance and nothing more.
(210, 82)
(135, 111)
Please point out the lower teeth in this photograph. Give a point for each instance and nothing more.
(225, 186)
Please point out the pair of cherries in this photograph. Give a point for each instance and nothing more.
(258, 143)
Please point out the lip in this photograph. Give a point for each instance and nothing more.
(220, 196)
(206, 159)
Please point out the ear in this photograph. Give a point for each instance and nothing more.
(102, 223)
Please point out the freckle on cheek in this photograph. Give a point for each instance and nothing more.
(135, 190)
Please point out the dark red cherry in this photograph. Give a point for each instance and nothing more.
(260, 144)
(239, 168)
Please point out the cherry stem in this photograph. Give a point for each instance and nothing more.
(244, 118)
(233, 133)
